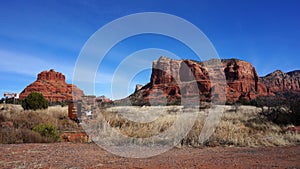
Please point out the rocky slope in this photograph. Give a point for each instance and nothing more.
(279, 81)
(53, 87)
(171, 79)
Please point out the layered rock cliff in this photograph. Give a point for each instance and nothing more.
(279, 81)
(242, 80)
(172, 79)
(53, 87)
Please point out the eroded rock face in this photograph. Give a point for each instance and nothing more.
(172, 79)
(279, 81)
(53, 87)
(242, 80)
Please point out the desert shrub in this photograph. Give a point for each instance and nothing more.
(58, 116)
(13, 136)
(29, 136)
(2, 118)
(47, 130)
(244, 101)
(283, 108)
(105, 104)
(58, 103)
(25, 120)
(63, 104)
(10, 100)
(245, 127)
(28, 119)
(173, 101)
(35, 101)
(292, 101)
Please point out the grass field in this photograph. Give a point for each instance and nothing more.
(24, 121)
(238, 126)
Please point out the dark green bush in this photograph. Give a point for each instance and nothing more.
(35, 101)
(48, 130)
(283, 108)
(244, 101)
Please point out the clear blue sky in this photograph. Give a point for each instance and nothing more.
(40, 35)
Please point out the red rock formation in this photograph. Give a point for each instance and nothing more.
(53, 87)
(103, 99)
(175, 78)
(242, 80)
(75, 137)
(279, 81)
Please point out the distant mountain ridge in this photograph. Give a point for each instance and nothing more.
(294, 73)
(279, 81)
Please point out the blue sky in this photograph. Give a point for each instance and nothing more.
(40, 35)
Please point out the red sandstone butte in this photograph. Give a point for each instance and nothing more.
(53, 87)
(174, 78)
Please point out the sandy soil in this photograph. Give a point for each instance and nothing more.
(70, 155)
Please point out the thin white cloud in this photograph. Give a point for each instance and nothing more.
(20, 63)
(26, 64)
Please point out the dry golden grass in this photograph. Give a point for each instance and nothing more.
(239, 126)
(247, 127)
(243, 126)
(25, 120)
(56, 115)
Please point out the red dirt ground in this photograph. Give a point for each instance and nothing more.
(70, 155)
